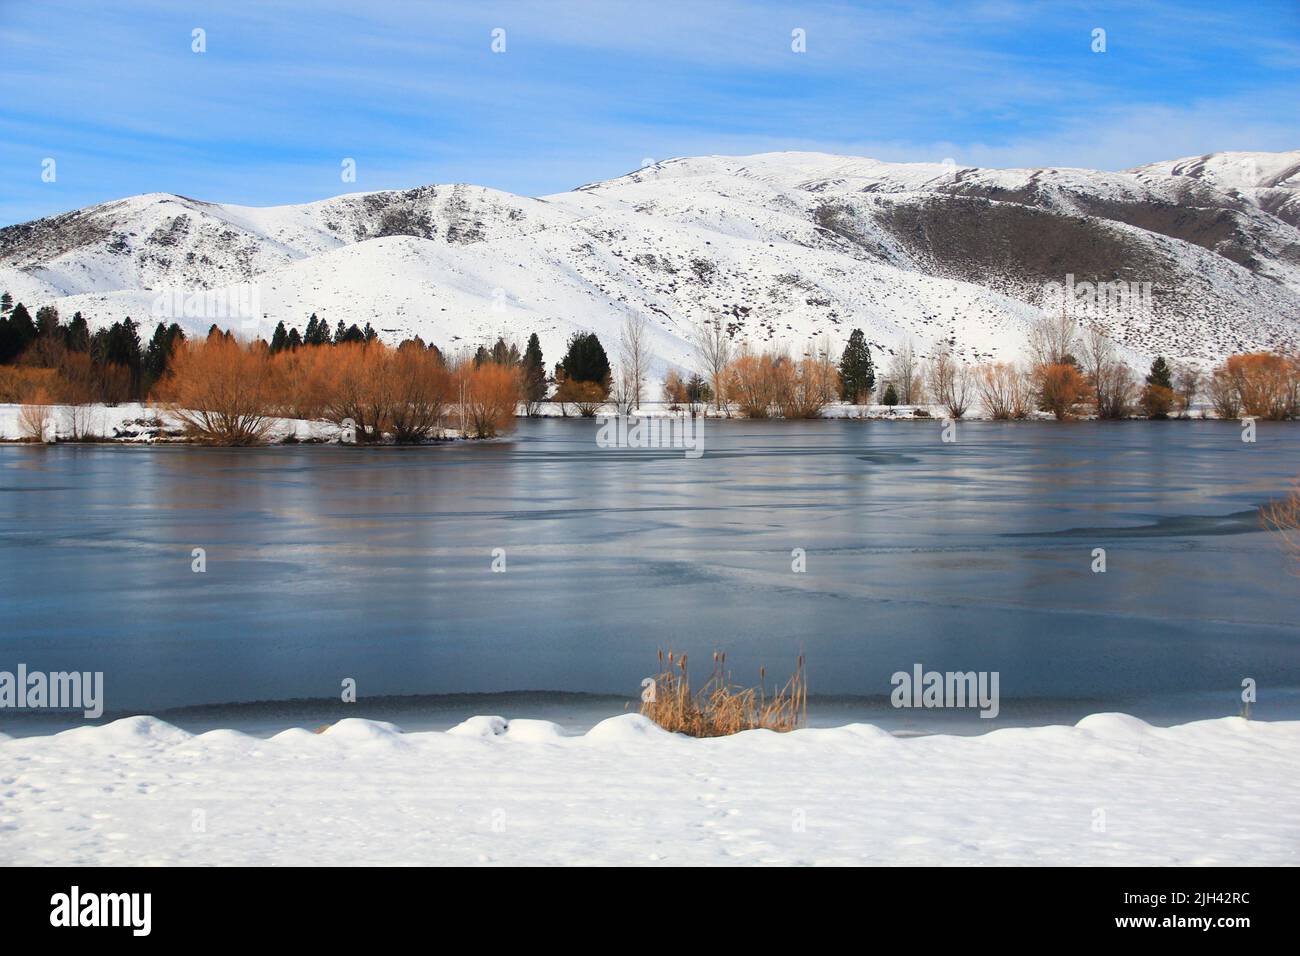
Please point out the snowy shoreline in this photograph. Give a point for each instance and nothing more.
(1110, 790)
(100, 421)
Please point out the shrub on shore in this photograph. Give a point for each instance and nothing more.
(19, 384)
(489, 395)
(721, 707)
(1003, 391)
(1259, 384)
(770, 383)
(1284, 516)
(226, 392)
(221, 391)
(1060, 388)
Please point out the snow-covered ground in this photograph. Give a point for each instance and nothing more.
(122, 422)
(1110, 790)
(140, 422)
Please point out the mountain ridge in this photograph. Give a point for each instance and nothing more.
(790, 246)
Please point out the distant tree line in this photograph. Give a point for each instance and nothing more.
(68, 363)
(227, 391)
(1073, 371)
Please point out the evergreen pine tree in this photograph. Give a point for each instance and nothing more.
(857, 374)
(1158, 396)
(20, 320)
(585, 360)
(155, 357)
(1160, 373)
(124, 345)
(46, 348)
(697, 389)
(891, 396)
(16, 332)
(313, 330)
(6, 340)
(99, 347)
(78, 334)
(279, 338)
(47, 321)
(295, 340)
(340, 333)
(534, 371)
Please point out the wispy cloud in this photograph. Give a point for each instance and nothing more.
(585, 90)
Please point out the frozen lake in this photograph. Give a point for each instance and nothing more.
(329, 562)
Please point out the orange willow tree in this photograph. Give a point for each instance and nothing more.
(489, 396)
(228, 393)
(419, 392)
(223, 392)
(752, 381)
(1261, 384)
(1059, 387)
(767, 383)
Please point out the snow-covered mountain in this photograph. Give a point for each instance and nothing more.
(789, 246)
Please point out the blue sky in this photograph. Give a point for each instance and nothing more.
(589, 90)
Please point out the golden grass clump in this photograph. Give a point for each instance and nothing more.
(721, 707)
(1284, 516)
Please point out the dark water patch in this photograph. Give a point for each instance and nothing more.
(1180, 526)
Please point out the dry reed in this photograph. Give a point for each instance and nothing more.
(721, 706)
(1284, 516)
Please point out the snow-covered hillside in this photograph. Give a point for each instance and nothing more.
(1110, 790)
(788, 246)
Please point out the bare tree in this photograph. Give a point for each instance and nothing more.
(1098, 353)
(1223, 394)
(623, 392)
(1053, 339)
(36, 418)
(905, 375)
(713, 344)
(1187, 385)
(952, 383)
(634, 349)
(1117, 389)
(806, 386)
(1003, 390)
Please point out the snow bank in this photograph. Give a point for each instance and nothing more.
(1110, 790)
(141, 422)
